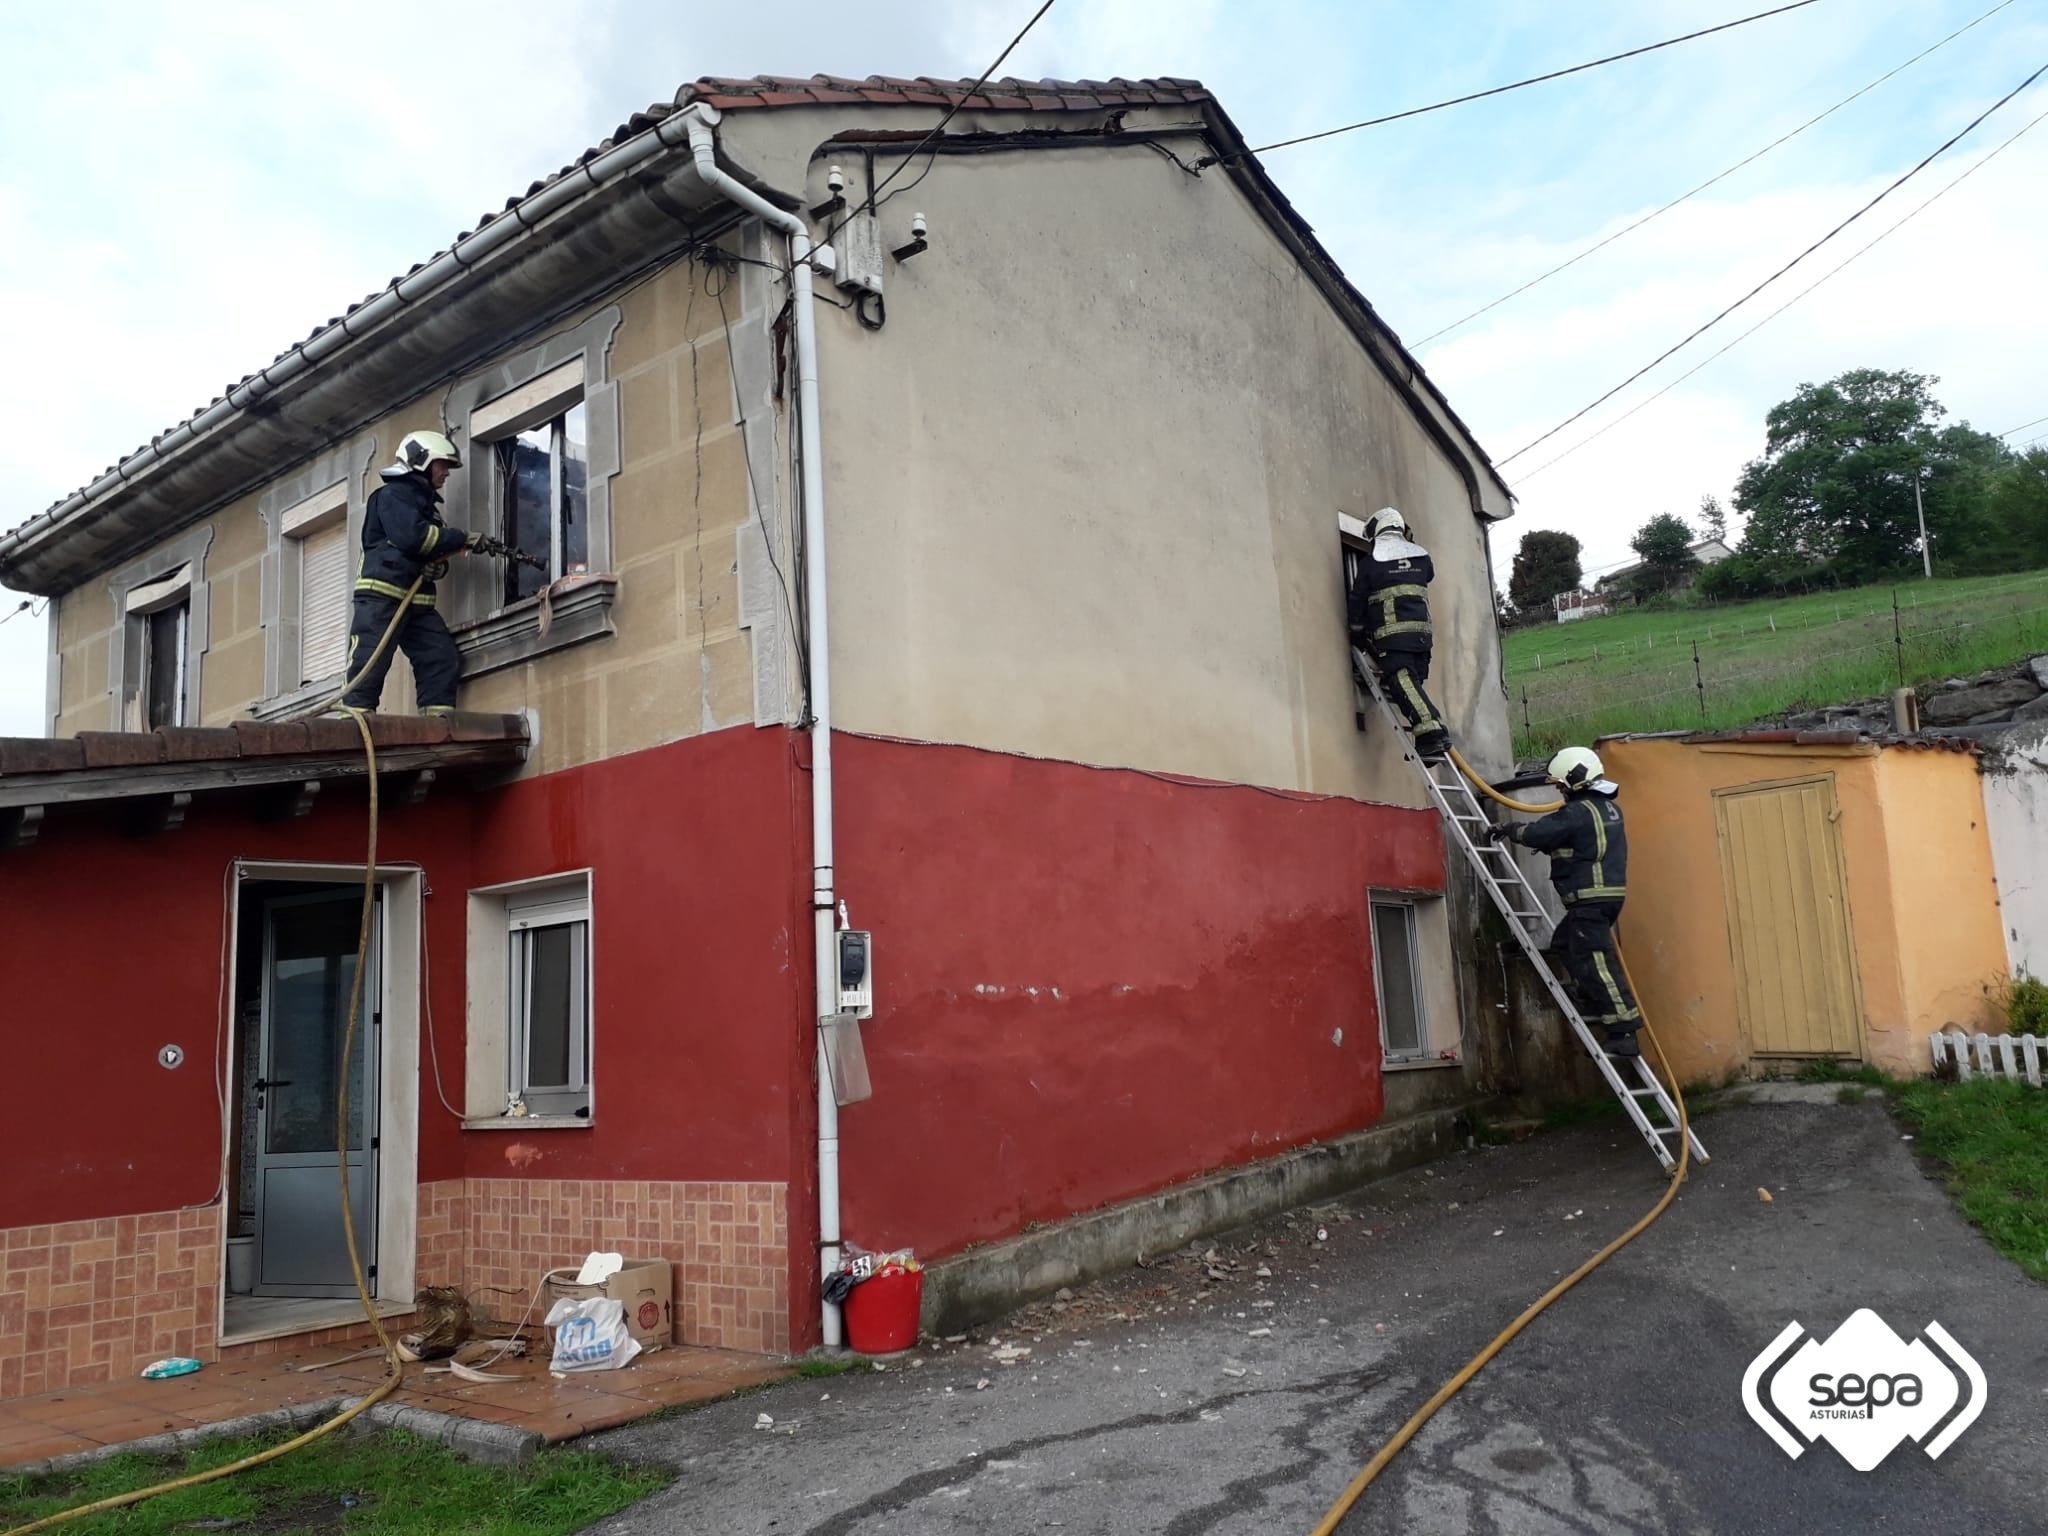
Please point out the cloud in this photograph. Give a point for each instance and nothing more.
(192, 198)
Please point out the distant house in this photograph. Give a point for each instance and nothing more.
(1706, 551)
(1578, 604)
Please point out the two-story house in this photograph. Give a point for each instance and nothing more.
(1059, 406)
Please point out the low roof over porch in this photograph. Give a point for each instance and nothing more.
(276, 769)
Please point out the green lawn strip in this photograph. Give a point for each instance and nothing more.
(346, 1483)
(1827, 648)
(1992, 1136)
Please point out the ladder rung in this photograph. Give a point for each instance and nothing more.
(1644, 1092)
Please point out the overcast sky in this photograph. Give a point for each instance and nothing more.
(191, 189)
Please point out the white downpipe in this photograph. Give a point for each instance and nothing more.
(702, 119)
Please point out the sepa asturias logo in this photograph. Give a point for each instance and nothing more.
(1864, 1390)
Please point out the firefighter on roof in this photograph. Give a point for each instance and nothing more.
(403, 534)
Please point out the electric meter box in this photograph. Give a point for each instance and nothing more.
(856, 972)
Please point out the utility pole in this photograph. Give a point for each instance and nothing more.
(1926, 556)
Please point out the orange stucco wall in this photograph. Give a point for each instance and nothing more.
(1923, 901)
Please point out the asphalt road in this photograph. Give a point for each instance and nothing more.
(1171, 1400)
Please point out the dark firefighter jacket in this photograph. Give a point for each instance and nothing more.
(1588, 848)
(1390, 598)
(402, 535)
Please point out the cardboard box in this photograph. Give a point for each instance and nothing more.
(645, 1288)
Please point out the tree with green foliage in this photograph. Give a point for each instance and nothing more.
(2015, 532)
(1832, 495)
(1664, 546)
(1546, 563)
(1713, 519)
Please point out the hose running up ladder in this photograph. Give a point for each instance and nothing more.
(1688, 1144)
(1465, 823)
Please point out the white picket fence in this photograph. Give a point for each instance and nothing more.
(1994, 1055)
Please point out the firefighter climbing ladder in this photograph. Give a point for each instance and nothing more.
(1511, 892)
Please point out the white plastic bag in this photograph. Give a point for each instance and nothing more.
(590, 1334)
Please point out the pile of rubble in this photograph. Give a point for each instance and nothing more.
(2002, 696)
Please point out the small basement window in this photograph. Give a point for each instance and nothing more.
(1404, 1034)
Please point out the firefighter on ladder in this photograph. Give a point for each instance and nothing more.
(1390, 622)
(1588, 849)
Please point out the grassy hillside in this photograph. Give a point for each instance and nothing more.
(1634, 671)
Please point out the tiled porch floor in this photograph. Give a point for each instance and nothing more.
(82, 1418)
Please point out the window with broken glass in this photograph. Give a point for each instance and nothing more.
(543, 476)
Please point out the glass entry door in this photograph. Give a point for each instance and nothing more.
(309, 952)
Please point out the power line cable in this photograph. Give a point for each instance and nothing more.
(1711, 180)
(1760, 287)
(954, 109)
(1499, 90)
(1802, 293)
(2008, 432)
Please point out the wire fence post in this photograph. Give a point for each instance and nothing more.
(1525, 710)
(1698, 680)
(1898, 638)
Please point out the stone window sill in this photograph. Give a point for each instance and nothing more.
(1421, 1063)
(528, 1123)
(287, 705)
(582, 611)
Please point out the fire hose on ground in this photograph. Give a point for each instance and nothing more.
(395, 1361)
(1386, 1453)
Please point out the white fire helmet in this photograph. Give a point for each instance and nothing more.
(1576, 768)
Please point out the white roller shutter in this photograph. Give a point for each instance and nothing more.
(323, 603)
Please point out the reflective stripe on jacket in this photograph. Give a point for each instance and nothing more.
(1588, 848)
(1390, 598)
(402, 535)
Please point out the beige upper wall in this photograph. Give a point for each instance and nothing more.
(683, 659)
(1084, 486)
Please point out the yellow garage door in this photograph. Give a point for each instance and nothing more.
(1788, 918)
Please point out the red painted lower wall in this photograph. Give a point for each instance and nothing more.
(114, 947)
(1091, 984)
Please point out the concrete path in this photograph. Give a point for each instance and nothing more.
(1239, 1390)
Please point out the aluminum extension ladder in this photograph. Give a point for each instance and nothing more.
(1511, 892)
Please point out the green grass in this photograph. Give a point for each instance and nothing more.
(1566, 1113)
(813, 1369)
(345, 1484)
(1633, 671)
(1992, 1136)
(1828, 1070)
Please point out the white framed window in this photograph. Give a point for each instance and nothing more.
(531, 1004)
(312, 531)
(548, 989)
(537, 438)
(1397, 980)
(316, 542)
(159, 638)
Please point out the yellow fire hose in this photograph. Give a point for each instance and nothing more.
(393, 1358)
(1472, 1367)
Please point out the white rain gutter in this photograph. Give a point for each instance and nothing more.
(523, 217)
(701, 118)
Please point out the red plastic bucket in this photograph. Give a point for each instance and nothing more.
(881, 1312)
